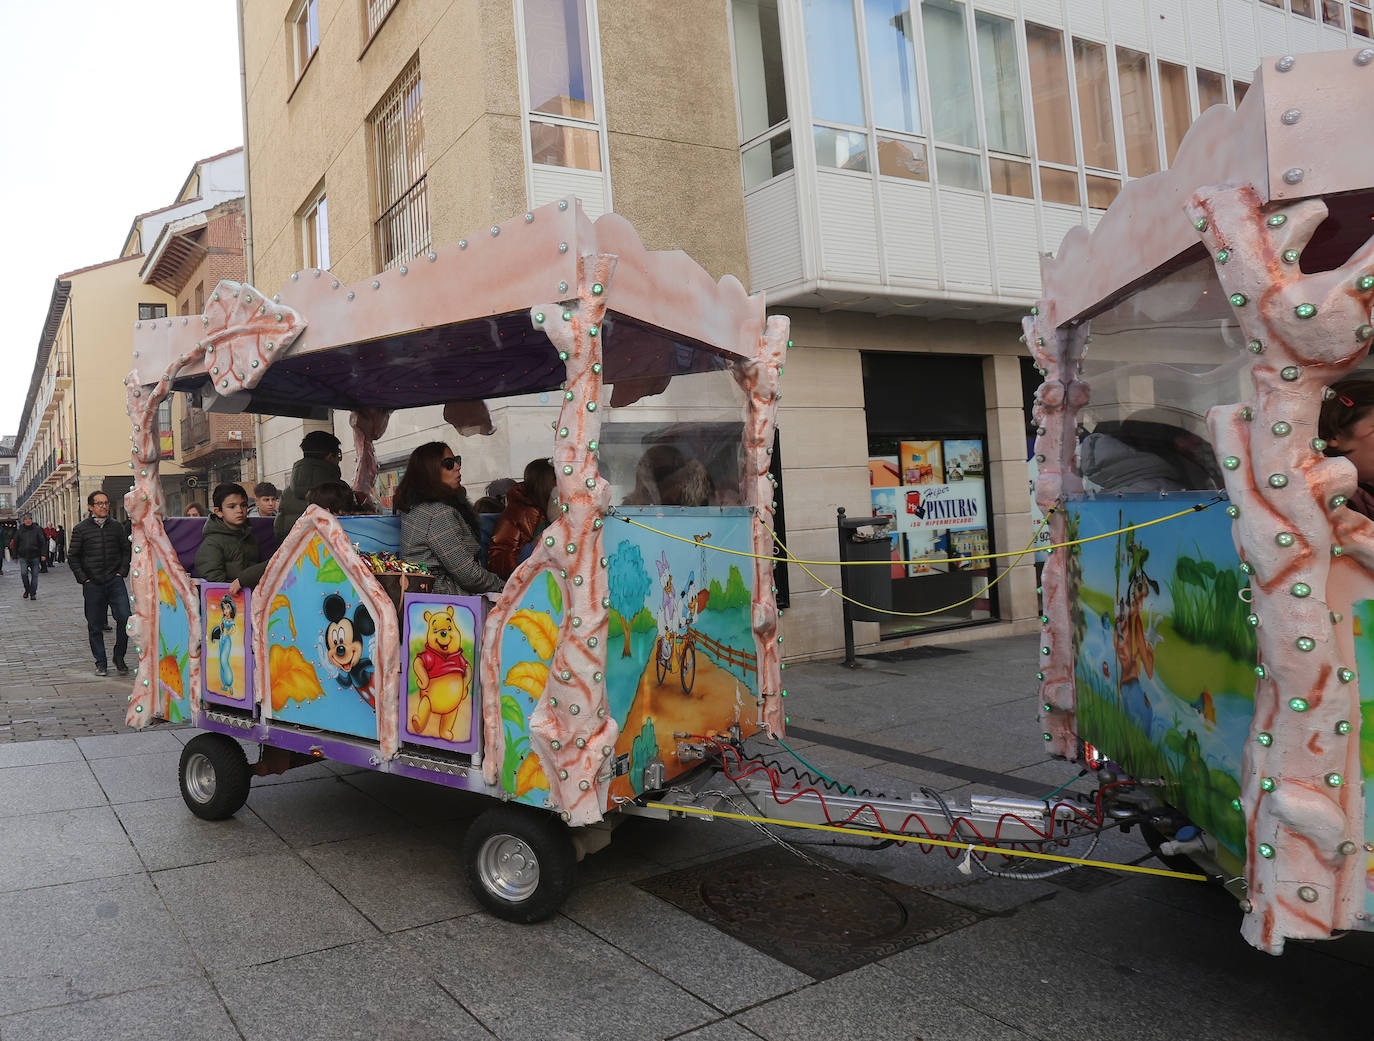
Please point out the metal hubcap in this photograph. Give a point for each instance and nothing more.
(200, 777)
(508, 867)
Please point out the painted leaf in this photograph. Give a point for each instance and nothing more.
(330, 572)
(312, 550)
(293, 678)
(555, 592)
(530, 775)
(169, 674)
(538, 628)
(279, 601)
(511, 711)
(529, 676)
(165, 593)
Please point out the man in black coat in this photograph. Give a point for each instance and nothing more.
(31, 547)
(99, 557)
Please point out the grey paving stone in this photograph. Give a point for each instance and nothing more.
(37, 753)
(46, 787)
(585, 987)
(174, 1012)
(1165, 964)
(320, 810)
(138, 778)
(65, 846)
(362, 990)
(873, 1004)
(258, 909)
(720, 1030)
(134, 742)
(167, 834)
(67, 943)
(422, 869)
(715, 967)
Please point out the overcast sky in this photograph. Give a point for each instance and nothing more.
(107, 107)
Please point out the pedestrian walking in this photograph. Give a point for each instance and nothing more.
(99, 560)
(30, 546)
(49, 533)
(60, 544)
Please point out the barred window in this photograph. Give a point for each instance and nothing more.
(377, 10)
(398, 140)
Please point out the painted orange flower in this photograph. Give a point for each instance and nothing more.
(165, 593)
(291, 677)
(530, 775)
(169, 674)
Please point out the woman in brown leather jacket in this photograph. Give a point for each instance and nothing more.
(523, 518)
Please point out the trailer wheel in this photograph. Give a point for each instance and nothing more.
(214, 776)
(520, 862)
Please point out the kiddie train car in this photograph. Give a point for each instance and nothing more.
(622, 635)
(1223, 658)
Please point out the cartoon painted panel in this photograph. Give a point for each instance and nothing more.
(228, 667)
(681, 655)
(1165, 656)
(173, 649)
(1362, 613)
(320, 647)
(527, 645)
(441, 671)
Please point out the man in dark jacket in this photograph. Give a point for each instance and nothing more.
(319, 462)
(31, 547)
(99, 557)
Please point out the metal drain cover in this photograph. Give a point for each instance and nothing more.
(822, 921)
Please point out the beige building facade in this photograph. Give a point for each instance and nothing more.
(74, 430)
(887, 172)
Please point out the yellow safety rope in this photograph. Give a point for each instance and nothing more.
(926, 840)
(917, 614)
(1200, 507)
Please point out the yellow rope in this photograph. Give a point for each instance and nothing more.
(931, 842)
(918, 614)
(940, 560)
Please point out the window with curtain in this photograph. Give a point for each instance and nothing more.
(950, 70)
(1306, 8)
(1049, 77)
(1239, 89)
(1333, 13)
(893, 89)
(758, 66)
(999, 74)
(561, 85)
(1173, 101)
(1211, 89)
(1138, 126)
(832, 62)
(1095, 121)
(1361, 23)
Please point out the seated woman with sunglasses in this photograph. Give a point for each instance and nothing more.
(438, 526)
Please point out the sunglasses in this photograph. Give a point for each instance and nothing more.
(100, 502)
(450, 461)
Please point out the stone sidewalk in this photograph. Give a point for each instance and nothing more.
(48, 686)
(333, 904)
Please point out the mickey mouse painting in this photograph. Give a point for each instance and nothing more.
(344, 645)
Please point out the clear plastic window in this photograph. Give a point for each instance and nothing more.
(1144, 429)
(680, 447)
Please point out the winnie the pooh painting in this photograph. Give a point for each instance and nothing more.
(442, 681)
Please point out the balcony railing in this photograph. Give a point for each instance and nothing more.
(195, 430)
(56, 458)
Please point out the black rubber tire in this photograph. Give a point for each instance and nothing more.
(531, 838)
(214, 776)
(661, 661)
(687, 666)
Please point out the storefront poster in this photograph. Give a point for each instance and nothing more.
(972, 543)
(883, 472)
(963, 458)
(921, 462)
(1037, 516)
(885, 505)
(958, 507)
